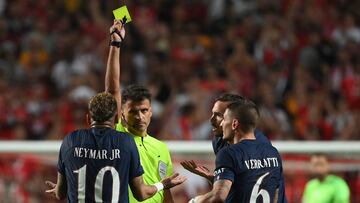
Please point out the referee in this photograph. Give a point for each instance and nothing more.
(135, 113)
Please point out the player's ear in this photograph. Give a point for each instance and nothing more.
(122, 117)
(88, 119)
(235, 124)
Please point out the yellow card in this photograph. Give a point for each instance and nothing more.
(122, 13)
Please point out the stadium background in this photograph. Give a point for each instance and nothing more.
(297, 59)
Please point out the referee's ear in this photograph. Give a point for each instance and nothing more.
(116, 120)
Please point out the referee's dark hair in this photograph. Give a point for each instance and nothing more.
(136, 93)
(102, 107)
(246, 113)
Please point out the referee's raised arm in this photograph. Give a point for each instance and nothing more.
(112, 76)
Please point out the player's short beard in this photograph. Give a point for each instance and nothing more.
(218, 133)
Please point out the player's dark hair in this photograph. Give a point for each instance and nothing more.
(136, 93)
(229, 97)
(102, 107)
(246, 113)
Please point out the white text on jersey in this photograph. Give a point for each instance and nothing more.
(262, 163)
(96, 154)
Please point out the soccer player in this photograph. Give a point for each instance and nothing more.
(247, 170)
(217, 116)
(218, 143)
(135, 118)
(97, 164)
(331, 188)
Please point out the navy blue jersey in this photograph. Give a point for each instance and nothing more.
(218, 143)
(255, 169)
(98, 164)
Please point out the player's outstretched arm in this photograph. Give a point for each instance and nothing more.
(112, 75)
(142, 191)
(59, 189)
(219, 193)
(198, 170)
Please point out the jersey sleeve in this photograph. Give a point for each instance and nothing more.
(281, 194)
(308, 188)
(135, 166)
(61, 163)
(225, 166)
(343, 194)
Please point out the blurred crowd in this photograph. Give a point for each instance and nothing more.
(297, 59)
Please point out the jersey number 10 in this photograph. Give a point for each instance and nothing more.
(98, 184)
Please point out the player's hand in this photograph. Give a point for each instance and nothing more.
(52, 186)
(117, 31)
(173, 180)
(199, 170)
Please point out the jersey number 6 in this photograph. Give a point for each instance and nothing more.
(255, 193)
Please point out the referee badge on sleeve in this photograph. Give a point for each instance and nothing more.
(162, 169)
